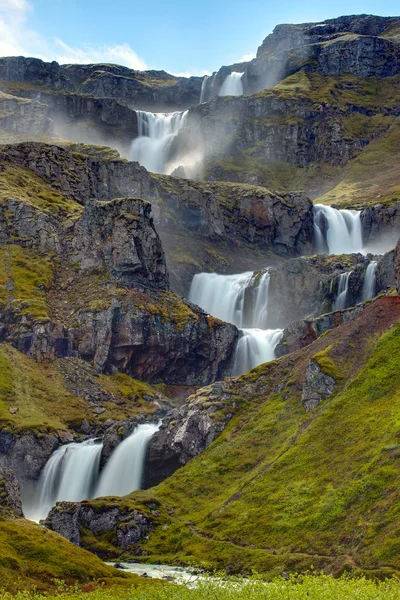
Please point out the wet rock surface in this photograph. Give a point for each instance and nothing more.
(10, 494)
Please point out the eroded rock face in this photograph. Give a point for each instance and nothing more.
(188, 431)
(20, 115)
(127, 527)
(120, 237)
(10, 494)
(317, 386)
(301, 333)
(26, 454)
(196, 220)
(156, 90)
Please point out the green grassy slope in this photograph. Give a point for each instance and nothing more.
(31, 555)
(282, 489)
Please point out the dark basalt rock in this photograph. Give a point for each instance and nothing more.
(10, 494)
(124, 528)
(189, 430)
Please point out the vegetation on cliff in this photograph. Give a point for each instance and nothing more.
(283, 489)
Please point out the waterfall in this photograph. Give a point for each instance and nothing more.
(255, 346)
(124, 471)
(156, 132)
(343, 287)
(239, 299)
(232, 85)
(369, 286)
(207, 88)
(221, 295)
(70, 474)
(337, 231)
(242, 300)
(204, 89)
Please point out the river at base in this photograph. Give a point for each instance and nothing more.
(184, 575)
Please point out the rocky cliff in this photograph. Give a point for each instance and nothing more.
(196, 221)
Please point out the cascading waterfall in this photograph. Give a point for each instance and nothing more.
(72, 472)
(203, 92)
(156, 132)
(337, 231)
(124, 471)
(369, 286)
(343, 287)
(255, 346)
(207, 88)
(242, 300)
(232, 85)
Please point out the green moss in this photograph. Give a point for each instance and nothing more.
(24, 185)
(327, 364)
(25, 277)
(31, 555)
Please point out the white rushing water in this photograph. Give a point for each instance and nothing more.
(242, 300)
(369, 286)
(207, 88)
(156, 132)
(239, 299)
(124, 471)
(337, 231)
(343, 288)
(255, 346)
(232, 85)
(72, 472)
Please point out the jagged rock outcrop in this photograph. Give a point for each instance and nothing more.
(381, 224)
(20, 115)
(317, 386)
(301, 333)
(26, 454)
(124, 528)
(10, 494)
(196, 220)
(189, 430)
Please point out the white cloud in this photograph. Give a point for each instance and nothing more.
(120, 54)
(246, 58)
(17, 39)
(191, 73)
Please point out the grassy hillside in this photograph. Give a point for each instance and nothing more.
(286, 489)
(34, 556)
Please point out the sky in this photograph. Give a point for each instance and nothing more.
(181, 37)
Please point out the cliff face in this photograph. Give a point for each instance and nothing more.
(140, 89)
(100, 288)
(196, 221)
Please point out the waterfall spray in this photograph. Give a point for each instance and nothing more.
(232, 85)
(369, 287)
(337, 231)
(156, 133)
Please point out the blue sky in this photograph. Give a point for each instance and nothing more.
(181, 37)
